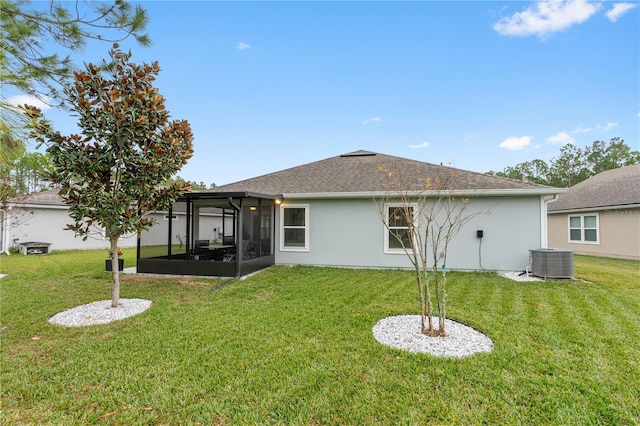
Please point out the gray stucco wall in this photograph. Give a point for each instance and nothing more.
(350, 233)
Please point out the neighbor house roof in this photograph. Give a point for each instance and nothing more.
(612, 188)
(44, 198)
(359, 172)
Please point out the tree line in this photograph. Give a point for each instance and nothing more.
(23, 172)
(30, 65)
(573, 164)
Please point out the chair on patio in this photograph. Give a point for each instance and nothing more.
(249, 250)
(201, 250)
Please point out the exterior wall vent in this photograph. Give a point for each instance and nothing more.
(551, 263)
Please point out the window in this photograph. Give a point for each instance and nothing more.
(584, 229)
(398, 235)
(294, 231)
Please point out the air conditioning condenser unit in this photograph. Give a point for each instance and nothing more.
(551, 263)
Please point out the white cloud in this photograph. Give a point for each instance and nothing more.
(29, 100)
(546, 17)
(561, 138)
(372, 120)
(243, 46)
(607, 126)
(618, 10)
(420, 145)
(581, 129)
(513, 143)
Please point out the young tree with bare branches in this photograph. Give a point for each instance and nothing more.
(422, 216)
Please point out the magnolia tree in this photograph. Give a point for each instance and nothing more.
(111, 175)
(422, 215)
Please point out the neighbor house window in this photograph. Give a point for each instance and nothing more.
(397, 234)
(294, 232)
(584, 229)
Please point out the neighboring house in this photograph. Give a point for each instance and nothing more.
(324, 214)
(43, 217)
(599, 216)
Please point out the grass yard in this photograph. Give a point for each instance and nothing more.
(294, 346)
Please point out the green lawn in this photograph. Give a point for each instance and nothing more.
(294, 346)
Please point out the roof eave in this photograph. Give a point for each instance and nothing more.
(596, 208)
(459, 193)
(204, 195)
(38, 206)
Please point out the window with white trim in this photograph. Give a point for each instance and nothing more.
(397, 235)
(584, 229)
(294, 228)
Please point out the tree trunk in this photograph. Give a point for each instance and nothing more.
(115, 272)
(427, 296)
(443, 312)
(420, 299)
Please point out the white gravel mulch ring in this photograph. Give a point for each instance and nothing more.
(403, 332)
(100, 312)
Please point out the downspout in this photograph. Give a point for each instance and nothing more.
(235, 206)
(544, 233)
(4, 236)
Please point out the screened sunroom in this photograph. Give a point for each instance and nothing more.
(224, 234)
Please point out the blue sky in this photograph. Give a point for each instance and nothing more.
(479, 85)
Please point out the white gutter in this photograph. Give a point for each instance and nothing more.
(457, 193)
(40, 206)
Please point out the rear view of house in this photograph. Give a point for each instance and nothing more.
(325, 213)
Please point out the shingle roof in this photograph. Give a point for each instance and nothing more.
(355, 172)
(358, 172)
(44, 198)
(617, 187)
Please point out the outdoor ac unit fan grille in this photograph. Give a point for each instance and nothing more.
(552, 263)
